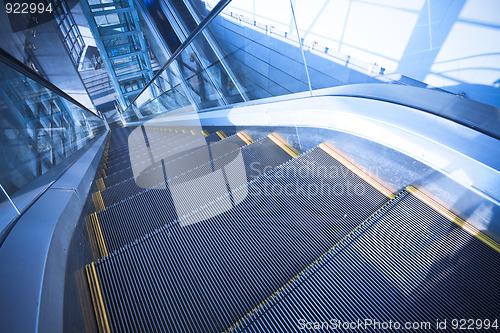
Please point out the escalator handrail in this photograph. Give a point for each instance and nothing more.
(213, 13)
(18, 66)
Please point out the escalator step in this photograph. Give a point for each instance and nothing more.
(174, 278)
(259, 157)
(123, 169)
(409, 264)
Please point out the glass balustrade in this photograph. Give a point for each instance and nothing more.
(219, 68)
(39, 129)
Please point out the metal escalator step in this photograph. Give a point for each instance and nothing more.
(178, 145)
(120, 188)
(283, 144)
(259, 156)
(411, 264)
(123, 169)
(166, 167)
(121, 141)
(160, 138)
(121, 149)
(125, 222)
(134, 216)
(141, 151)
(263, 156)
(97, 299)
(230, 261)
(455, 219)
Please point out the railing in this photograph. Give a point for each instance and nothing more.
(229, 58)
(41, 127)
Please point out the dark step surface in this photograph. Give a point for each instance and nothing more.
(258, 158)
(408, 264)
(252, 161)
(232, 261)
(120, 166)
(311, 239)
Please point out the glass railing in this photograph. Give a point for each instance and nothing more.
(244, 53)
(210, 70)
(41, 127)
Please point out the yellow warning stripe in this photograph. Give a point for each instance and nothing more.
(183, 131)
(100, 184)
(192, 132)
(282, 143)
(96, 236)
(243, 136)
(94, 297)
(92, 237)
(100, 237)
(205, 133)
(98, 203)
(454, 218)
(330, 150)
(97, 298)
(286, 285)
(221, 135)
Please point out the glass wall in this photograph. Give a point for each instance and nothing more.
(250, 51)
(73, 40)
(115, 27)
(220, 67)
(38, 129)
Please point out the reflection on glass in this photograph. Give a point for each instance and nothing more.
(38, 129)
(226, 63)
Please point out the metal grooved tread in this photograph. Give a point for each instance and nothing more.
(259, 157)
(408, 264)
(138, 212)
(204, 276)
(119, 167)
(122, 184)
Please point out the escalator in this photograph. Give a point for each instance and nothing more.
(291, 240)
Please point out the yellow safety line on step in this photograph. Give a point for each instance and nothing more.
(192, 132)
(100, 184)
(183, 131)
(98, 203)
(243, 136)
(100, 300)
(86, 306)
(221, 135)
(454, 218)
(205, 133)
(282, 143)
(93, 296)
(100, 238)
(89, 222)
(330, 150)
